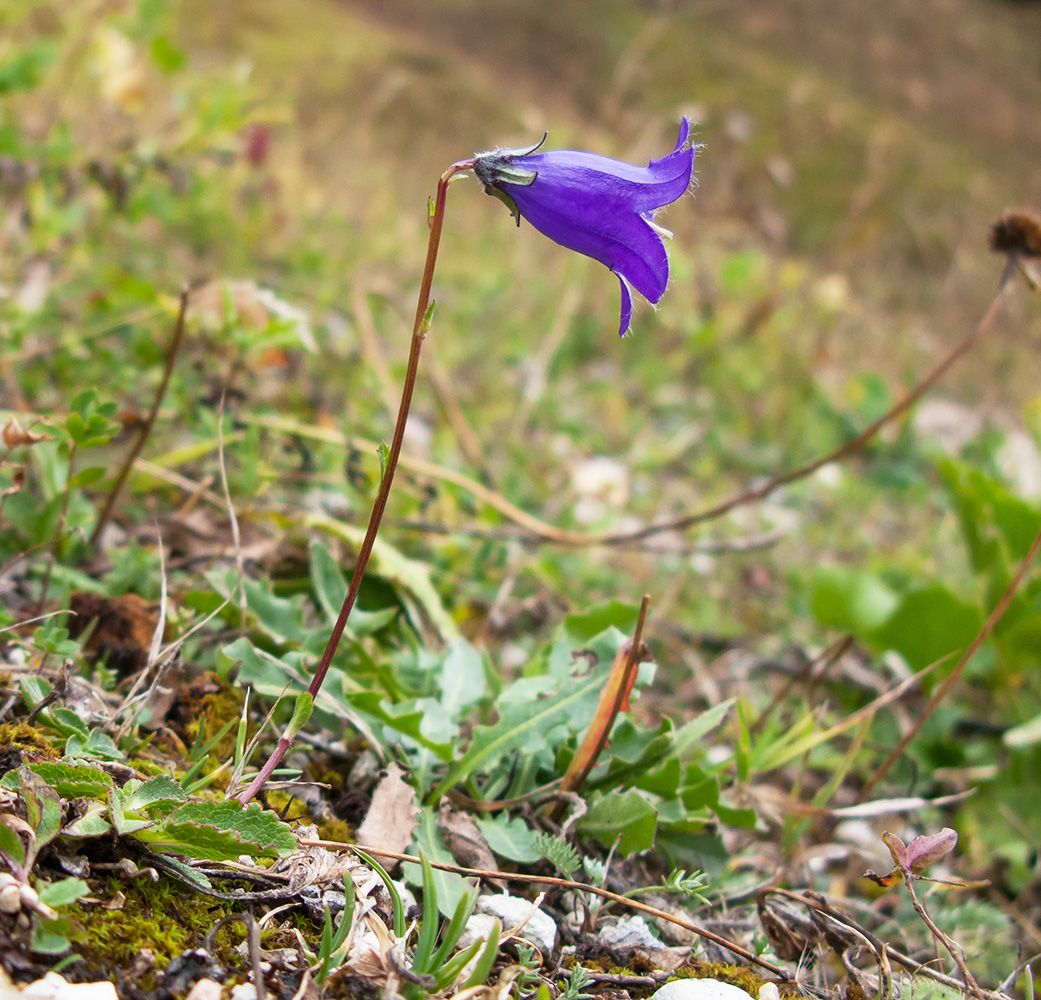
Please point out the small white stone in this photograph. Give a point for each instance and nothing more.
(54, 987)
(629, 933)
(244, 991)
(699, 989)
(204, 989)
(540, 929)
(478, 928)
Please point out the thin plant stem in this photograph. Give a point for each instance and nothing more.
(146, 430)
(949, 945)
(419, 331)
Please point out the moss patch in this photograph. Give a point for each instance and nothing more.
(22, 736)
(163, 917)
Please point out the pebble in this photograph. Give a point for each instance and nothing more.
(54, 987)
(205, 989)
(699, 989)
(540, 930)
(629, 933)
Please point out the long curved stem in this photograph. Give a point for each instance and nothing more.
(419, 331)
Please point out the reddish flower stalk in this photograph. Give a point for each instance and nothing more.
(419, 330)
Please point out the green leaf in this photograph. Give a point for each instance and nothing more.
(282, 619)
(12, 846)
(462, 678)
(97, 746)
(627, 814)
(23, 69)
(583, 627)
(509, 838)
(929, 624)
(66, 722)
(166, 55)
(302, 709)
(429, 922)
(383, 453)
(87, 477)
(527, 727)
(330, 587)
(221, 831)
(68, 890)
(73, 781)
(51, 937)
(484, 963)
(123, 824)
(156, 792)
(34, 689)
(91, 824)
(411, 575)
(42, 807)
(851, 600)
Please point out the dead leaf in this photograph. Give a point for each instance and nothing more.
(16, 436)
(314, 865)
(392, 816)
(464, 840)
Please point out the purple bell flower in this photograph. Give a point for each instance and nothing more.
(596, 206)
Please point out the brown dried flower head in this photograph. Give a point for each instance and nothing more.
(1017, 231)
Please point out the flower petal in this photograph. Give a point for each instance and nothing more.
(622, 241)
(640, 189)
(627, 307)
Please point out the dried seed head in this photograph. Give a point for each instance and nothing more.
(1017, 231)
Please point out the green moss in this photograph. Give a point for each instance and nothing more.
(23, 736)
(742, 976)
(213, 712)
(338, 830)
(164, 917)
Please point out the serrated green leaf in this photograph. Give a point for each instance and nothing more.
(91, 824)
(153, 794)
(222, 831)
(123, 824)
(73, 781)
